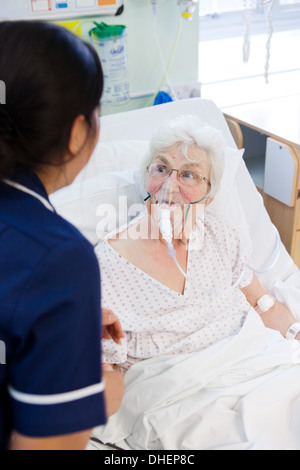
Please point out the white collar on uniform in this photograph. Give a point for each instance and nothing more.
(20, 187)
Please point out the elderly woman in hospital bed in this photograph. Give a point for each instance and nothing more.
(211, 359)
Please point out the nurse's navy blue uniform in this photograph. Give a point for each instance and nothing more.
(50, 320)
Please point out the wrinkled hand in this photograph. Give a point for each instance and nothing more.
(112, 328)
(114, 389)
(280, 318)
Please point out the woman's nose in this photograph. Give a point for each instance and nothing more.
(174, 175)
(171, 184)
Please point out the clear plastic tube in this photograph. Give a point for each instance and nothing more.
(166, 230)
(167, 67)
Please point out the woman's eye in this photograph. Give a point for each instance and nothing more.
(188, 175)
(161, 168)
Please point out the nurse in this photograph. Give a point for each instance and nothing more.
(51, 382)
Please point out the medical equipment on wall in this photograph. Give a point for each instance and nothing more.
(110, 43)
(249, 6)
(165, 66)
(187, 8)
(58, 9)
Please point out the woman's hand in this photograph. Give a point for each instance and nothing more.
(112, 328)
(279, 317)
(114, 388)
(114, 381)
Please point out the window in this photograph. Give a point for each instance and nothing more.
(274, 39)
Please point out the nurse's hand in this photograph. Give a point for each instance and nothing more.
(112, 328)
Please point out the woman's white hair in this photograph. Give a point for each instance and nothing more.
(188, 131)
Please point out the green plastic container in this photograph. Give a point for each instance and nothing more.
(110, 43)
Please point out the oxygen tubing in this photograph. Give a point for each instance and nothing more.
(166, 68)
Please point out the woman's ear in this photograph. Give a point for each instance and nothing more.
(208, 201)
(78, 136)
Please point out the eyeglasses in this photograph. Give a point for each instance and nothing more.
(159, 171)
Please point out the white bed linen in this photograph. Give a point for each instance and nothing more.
(241, 393)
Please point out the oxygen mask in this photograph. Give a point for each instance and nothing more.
(170, 205)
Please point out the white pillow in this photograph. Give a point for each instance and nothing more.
(111, 156)
(107, 192)
(227, 202)
(99, 199)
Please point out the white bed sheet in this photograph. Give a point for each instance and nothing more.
(242, 393)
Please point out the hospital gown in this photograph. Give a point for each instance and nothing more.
(205, 371)
(156, 319)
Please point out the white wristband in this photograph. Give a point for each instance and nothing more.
(293, 331)
(265, 303)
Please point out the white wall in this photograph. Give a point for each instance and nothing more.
(145, 70)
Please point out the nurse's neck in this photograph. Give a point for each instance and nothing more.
(82, 143)
(57, 176)
(53, 179)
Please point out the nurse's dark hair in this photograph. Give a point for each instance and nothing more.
(51, 77)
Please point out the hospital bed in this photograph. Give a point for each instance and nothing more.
(110, 182)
